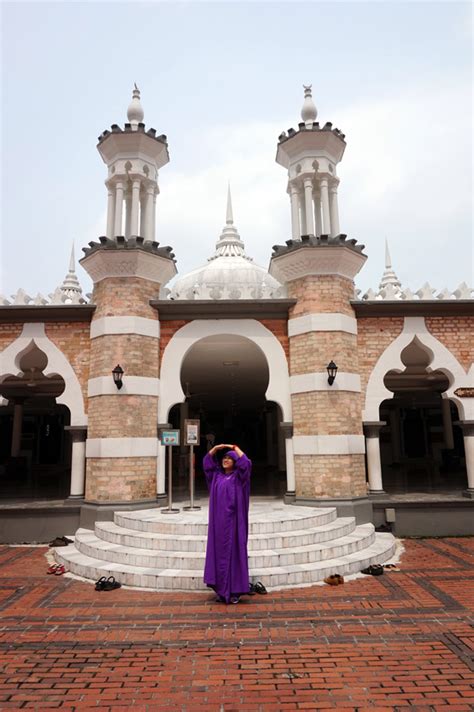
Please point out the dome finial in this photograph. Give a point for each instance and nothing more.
(135, 112)
(308, 111)
(388, 259)
(229, 218)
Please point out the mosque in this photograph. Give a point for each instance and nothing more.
(362, 405)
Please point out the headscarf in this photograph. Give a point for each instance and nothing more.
(232, 454)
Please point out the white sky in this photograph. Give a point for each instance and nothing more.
(222, 80)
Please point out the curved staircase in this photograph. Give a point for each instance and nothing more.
(288, 546)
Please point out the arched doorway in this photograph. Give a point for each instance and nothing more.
(224, 378)
(421, 447)
(35, 450)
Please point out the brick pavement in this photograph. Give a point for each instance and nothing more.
(403, 641)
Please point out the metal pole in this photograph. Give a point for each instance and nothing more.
(191, 480)
(169, 509)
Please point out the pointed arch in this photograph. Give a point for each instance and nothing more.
(415, 329)
(34, 334)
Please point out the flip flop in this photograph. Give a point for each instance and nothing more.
(374, 570)
(99, 585)
(52, 569)
(260, 588)
(60, 570)
(59, 541)
(111, 584)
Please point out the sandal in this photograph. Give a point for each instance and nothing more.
(59, 541)
(99, 585)
(391, 567)
(61, 569)
(52, 569)
(374, 570)
(260, 588)
(334, 580)
(111, 584)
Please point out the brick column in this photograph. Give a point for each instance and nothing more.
(122, 445)
(328, 439)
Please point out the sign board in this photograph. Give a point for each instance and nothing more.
(464, 392)
(191, 429)
(169, 437)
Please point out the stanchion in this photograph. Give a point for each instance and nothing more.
(191, 506)
(169, 509)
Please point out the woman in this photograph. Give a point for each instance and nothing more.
(226, 569)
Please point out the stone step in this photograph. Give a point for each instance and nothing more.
(111, 532)
(381, 549)
(276, 519)
(89, 544)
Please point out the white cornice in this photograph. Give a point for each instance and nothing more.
(101, 264)
(305, 261)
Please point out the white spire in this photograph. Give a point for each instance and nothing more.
(389, 278)
(308, 111)
(135, 112)
(70, 288)
(229, 243)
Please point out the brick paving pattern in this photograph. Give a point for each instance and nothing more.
(402, 641)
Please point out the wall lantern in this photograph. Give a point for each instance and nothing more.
(117, 373)
(331, 368)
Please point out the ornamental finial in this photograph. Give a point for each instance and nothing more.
(135, 112)
(308, 111)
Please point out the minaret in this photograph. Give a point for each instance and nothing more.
(311, 155)
(128, 269)
(133, 158)
(318, 271)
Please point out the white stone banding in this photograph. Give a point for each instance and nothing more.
(322, 322)
(121, 447)
(318, 381)
(106, 325)
(328, 445)
(132, 386)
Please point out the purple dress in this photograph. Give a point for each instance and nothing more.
(227, 569)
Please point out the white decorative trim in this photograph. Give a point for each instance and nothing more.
(442, 359)
(34, 333)
(322, 322)
(125, 325)
(132, 385)
(329, 444)
(121, 447)
(307, 382)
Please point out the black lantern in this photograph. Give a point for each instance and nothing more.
(117, 373)
(331, 368)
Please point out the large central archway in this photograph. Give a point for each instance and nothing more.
(233, 376)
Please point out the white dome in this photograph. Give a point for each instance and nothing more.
(229, 274)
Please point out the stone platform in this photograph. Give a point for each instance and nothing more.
(288, 546)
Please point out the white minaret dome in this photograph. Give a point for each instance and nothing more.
(309, 111)
(135, 113)
(229, 272)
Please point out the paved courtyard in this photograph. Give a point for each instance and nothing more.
(401, 641)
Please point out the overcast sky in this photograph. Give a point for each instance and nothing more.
(222, 80)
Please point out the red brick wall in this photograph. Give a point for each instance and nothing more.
(74, 342)
(8, 333)
(374, 335)
(457, 334)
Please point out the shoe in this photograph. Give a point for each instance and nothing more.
(99, 585)
(219, 599)
(52, 569)
(68, 541)
(334, 580)
(234, 599)
(60, 570)
(111, 584)
(374, 570)
(59, 541)
(260, 588)
(391, 567)
(252, 590)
